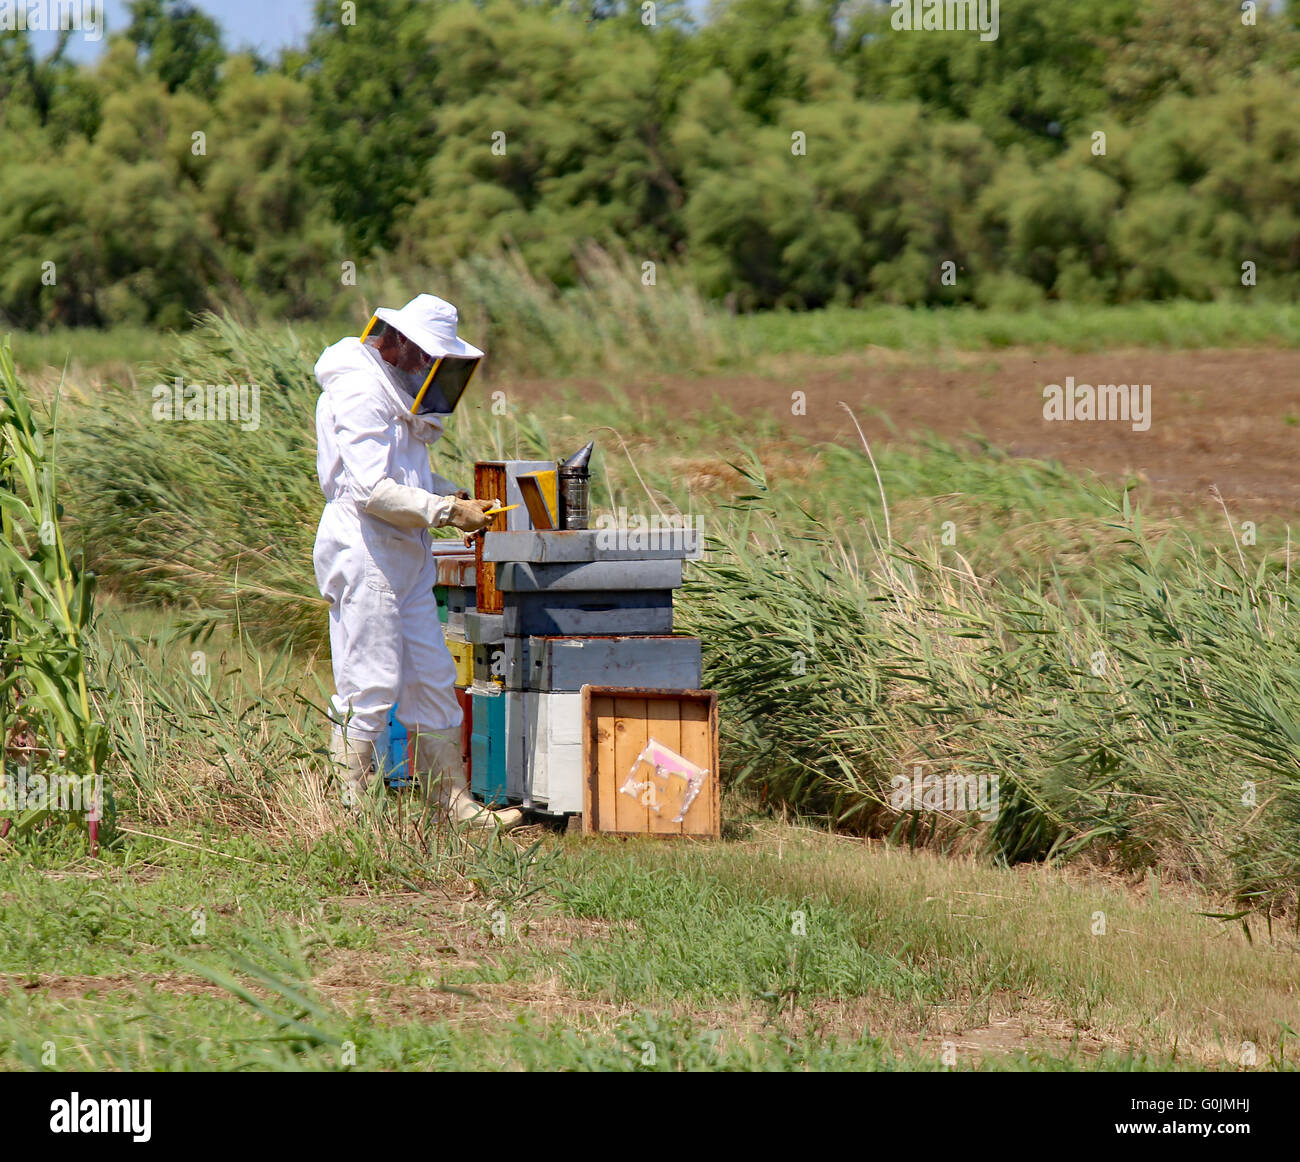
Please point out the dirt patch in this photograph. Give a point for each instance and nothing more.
(64, 988)
(1023, 1031)
(435, 942)
(1227, 418)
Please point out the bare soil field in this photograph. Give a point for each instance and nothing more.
(1229, 418)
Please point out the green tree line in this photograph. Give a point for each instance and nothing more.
(779, 153)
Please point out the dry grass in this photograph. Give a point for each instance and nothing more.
(1162, 976)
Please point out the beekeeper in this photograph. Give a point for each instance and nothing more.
(384, 399)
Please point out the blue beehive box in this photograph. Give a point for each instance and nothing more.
(397, 767)
(487, 747)
(556, 664)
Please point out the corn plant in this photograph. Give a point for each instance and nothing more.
(46, 716)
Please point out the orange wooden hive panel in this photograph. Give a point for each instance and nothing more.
(489, 483)
(618, 722)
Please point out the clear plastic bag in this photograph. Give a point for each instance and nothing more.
(664, 781)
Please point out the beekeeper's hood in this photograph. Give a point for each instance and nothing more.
(433, 363)
(361, 384)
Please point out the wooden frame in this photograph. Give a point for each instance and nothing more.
(617, 723)
(490, 480)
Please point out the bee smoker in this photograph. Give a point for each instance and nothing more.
(574, 486)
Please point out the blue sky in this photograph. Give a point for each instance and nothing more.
(267, 25)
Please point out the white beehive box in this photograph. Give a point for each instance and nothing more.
(544, 754)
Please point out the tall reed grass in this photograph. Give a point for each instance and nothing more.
(619, 316)
(225, 742)
(1132, 688)
(1153, 721)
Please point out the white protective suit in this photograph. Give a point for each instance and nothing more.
(373, 556)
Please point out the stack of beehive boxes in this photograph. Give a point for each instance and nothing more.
(577, 613)
(536, 617)
(487, 705)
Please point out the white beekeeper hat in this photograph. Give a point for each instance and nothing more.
(430, 323)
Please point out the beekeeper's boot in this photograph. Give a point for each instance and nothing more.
(442, 775)
(354, 762)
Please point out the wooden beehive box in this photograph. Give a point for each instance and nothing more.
(499, 479)
(489, 481)
(618, 724)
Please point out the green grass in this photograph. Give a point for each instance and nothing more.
(1075, 328)
(609, 321)
(526, 334)
(239, 953)
(692, 937)
(1139, 701)
(88, 347)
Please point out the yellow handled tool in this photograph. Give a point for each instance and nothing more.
(472, 537)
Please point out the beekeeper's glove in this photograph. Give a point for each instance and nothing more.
(468, 515)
